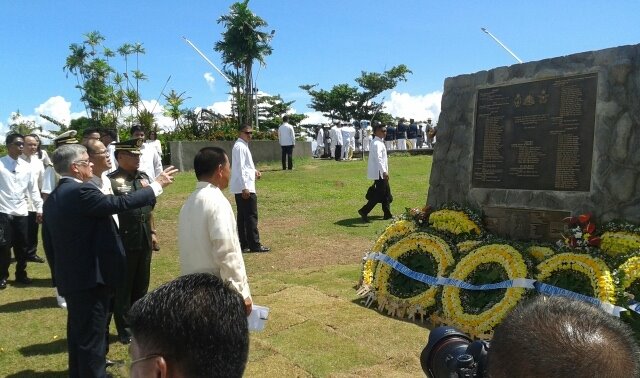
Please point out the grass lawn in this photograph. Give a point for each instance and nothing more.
(317, 326)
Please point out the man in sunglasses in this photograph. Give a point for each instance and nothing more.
(16, 185)
(243, 185)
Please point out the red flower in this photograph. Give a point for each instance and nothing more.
(584, 218)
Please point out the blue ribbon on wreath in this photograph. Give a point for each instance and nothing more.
(526, 283)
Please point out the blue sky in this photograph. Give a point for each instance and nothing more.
(326, 42)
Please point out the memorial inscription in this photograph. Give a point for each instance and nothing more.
(525, 224)
(536, 135)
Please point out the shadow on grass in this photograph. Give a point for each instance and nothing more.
(37, 282)
(30, 304)
(356, 222)
(58, 346)
(31, 373)
(426, 324)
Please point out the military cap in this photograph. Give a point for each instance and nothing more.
(131, 145)
(68, 137)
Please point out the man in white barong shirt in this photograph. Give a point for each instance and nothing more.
(243, 185)
(207, 234)
(378, 171)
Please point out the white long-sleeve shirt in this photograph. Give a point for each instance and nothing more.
(17, 183)
(37, 170)
(377, 164)
(320, 137)
(150, 161)
(243, 172)
(208, 238)
(286, 135)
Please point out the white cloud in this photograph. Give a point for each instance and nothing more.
(418, 107)
(221, 107)
(208, 77)
(314, 118)
(57, 108)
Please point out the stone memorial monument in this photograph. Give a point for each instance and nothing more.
(535, 142)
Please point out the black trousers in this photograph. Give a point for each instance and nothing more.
(287, 157)
(13, 233)
(32, 235)
(247, 220)
(86, 340)
(135, 287)
(382, 196)
(338, 152)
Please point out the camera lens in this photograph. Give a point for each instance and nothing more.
(439, 358)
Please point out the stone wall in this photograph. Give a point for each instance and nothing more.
(182, 153)
(615, 170)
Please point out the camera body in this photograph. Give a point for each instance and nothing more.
(451, 354)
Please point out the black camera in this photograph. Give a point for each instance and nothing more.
(451, 354)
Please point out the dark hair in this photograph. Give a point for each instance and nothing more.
(108, 132)
(285, 118)
(135, 128)
(378, 126)
(11, 137)
(207, 161)
(561, 337)
(90, 130)
(196, 322)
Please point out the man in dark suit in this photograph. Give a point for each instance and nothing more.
(86, 253)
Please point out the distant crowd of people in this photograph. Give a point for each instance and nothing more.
(341, 139)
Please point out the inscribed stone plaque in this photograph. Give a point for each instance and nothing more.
(536, 135)
(525, 224)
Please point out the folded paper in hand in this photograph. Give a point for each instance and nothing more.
(258, 317)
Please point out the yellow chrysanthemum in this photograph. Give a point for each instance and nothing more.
(618, 243)
(504, 255)
(540, 253)
(592, 267)
(467, 245)
(631, 269)
(425, 243)
(455, 222)
(395, 230)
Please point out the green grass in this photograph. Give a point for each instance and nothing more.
(317, 326)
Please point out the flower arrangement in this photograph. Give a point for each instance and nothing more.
(581, 233)
(453, 306)
(400, 293)
(574, 271)
(452, 239)
(456, 222)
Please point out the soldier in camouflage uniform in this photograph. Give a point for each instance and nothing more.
(136, 232)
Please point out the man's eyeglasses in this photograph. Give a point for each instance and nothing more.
(248, 132)
(145, 358)
(103, 153)
(18, 144)
(81, 162)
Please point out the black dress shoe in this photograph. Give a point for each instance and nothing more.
(387, 217)
(363, 216)
(35, 258)
(24, 280)
(109, 363)
(3, 284)
(262, 248)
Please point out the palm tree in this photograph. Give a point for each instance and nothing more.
(93, 39)
(125, 50)
(174, 102)
(241, 44)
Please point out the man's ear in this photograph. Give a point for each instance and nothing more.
(160, 368)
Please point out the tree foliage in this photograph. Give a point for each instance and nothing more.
(347, 102)
(243, 43)
(105, 91)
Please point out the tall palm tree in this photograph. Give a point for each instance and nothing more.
(125, 50)
(242, 44)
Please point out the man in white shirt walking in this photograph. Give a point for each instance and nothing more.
(378, 170)
(243, 186)
(150, 161)
(287, 139)
(207, 233)
(16, 185)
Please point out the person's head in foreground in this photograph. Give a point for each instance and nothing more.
(559, 337)
(193, 326)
